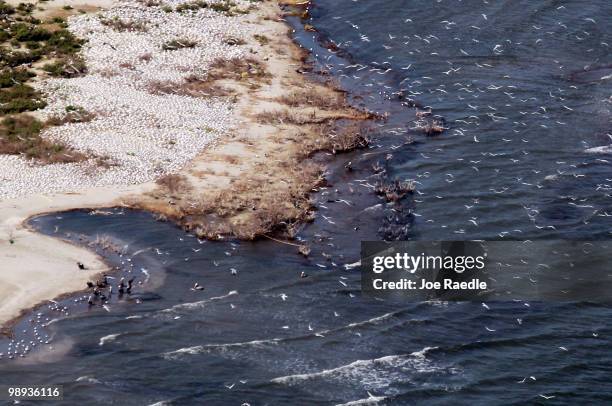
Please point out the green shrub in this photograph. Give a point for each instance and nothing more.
(25, 8)
(20, 135)
(16, 58)
(8, 77)
(64, 42)
(68, 68)
(20, 98)
(6, 9)
(193, 6)
(25, 32)
(222, 7)
(262, 39)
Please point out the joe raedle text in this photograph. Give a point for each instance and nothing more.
(423, 284)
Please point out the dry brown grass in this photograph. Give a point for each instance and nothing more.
(74, 115)
(327, 100)
(174, 183)
(230, 159)
(349, 137)
(192, 86)
(207, 85)
(146, 57)
(238, 69)
(282, 117)
(331, 137)
(124, 25)
(249, 209)
(151, 3)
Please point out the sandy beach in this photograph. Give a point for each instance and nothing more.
(195, 118)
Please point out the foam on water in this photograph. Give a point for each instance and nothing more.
(372, 373)
(108, 339)
(198, 304)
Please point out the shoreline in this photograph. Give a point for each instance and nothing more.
(50, 264)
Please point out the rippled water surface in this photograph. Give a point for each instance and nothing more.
(523, 91)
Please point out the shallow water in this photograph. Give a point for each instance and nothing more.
(267, 336)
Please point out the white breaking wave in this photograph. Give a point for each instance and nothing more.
(51, 322)
(371, 400)
(109, 338)
(89, 379)
(194, 305)
(604, 149)
(372, 373)
(199, 349)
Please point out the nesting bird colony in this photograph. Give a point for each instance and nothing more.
(142, 134)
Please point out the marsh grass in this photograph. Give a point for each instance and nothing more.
(20, 135)
(207, 85)
(174, 183)
(119, 24)
(66, 68)
(193, 86)
(252, 210)
(237, 69)
(314, 98)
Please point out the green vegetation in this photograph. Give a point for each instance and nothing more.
(192, 6)
(24, 41)
(11, 77)
(66, 68)
(20, 98)
(226, 6)
(6, 9)
(20, 135)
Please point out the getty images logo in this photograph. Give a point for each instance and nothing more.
(412, 263)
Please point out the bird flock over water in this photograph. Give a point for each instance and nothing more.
(527, 107)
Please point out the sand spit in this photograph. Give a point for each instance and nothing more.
(227, 113)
